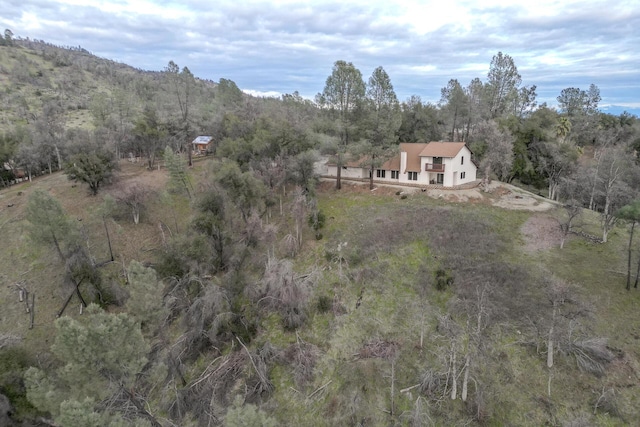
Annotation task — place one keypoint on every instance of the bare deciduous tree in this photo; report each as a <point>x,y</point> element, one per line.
<point>572,213</point>
<point>283,290</point>
<point>133,195</point>
<point>611,188</point>
<point>498,156</point>
<point>630,213</point>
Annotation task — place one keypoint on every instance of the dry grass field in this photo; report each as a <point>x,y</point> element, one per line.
<point>38,269</point>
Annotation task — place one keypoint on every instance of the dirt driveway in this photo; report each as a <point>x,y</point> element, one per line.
<point>500,194</point>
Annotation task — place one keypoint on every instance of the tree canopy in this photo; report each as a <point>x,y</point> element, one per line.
<point>91,167</point>
<point>100,357</point>
<point>48,223</point>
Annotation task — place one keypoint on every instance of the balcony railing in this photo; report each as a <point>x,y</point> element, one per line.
<point>434,167</point>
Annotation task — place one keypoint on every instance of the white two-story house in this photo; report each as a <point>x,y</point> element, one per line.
<point>447,164</point>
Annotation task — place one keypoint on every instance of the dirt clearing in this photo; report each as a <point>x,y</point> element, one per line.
<point>541,232</point>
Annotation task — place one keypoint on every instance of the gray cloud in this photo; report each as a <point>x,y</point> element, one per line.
<point>284,47</point>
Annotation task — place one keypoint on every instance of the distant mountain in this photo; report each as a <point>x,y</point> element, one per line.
<point>616,110</point>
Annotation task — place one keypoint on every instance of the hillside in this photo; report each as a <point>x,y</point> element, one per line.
<point>236,287</point>
<point>384,334</point>
<point>34,73</point>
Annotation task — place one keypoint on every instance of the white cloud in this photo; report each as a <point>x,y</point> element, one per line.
<point>282,46</point>
<point>267,94</point>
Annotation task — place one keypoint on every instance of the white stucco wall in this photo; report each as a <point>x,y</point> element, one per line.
<point>457,167</point>
<point>453,167</point>
<point>348,172</point>
<point>387,176</point>
<point>351,172</point>
<point>404,178</point>
<point>426,177</point>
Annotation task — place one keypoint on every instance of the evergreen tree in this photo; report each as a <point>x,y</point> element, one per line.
<point>48,222</point>
<point>248,415</point>
<point>149,133</point>
<point>179,181</point>
<point>145,294</point>
<point>93,168</point>
<point>383,121</point>
<point>101,356</point>
<point>502,85</point>
<point>343,93</point>
<point>454,107</point>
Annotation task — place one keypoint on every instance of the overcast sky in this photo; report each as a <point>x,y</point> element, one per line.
<point>285,46</point>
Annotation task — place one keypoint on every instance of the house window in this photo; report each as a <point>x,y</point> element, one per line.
<point>440,178</point>
<point>413,176</point>
<point>395,174</point>
<point>380,173</point>
<point>462,175</point>
<point>462,160</point>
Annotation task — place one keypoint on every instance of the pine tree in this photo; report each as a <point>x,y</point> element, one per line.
<point>48,222</point>
<point>179,181</point>
<point>101,356</point>
<point>145,294</point>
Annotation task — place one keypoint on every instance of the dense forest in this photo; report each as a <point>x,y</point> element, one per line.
<point>164,287</point>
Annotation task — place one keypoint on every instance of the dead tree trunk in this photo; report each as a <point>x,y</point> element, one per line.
<point>635,285</point>
<point>371,177</point>
<point>76,290</point>
<point>633,225</point>
<point>106,229</point>
<point>422,329</point>
<point>32,311</point>
<point>57,245</point>
<point>550,349</point>
<point>393,384</point>
<point>454,374</point>
<point>550,338</point>
<point>465,378</point>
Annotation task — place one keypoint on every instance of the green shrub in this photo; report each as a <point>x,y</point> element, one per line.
<point>247,415</point>
<point>324,304</point>
<point>13,362</point>
<point>355,257</point>
<point>444,279</point>
<point>317,220</point>
<point>329,255</point>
